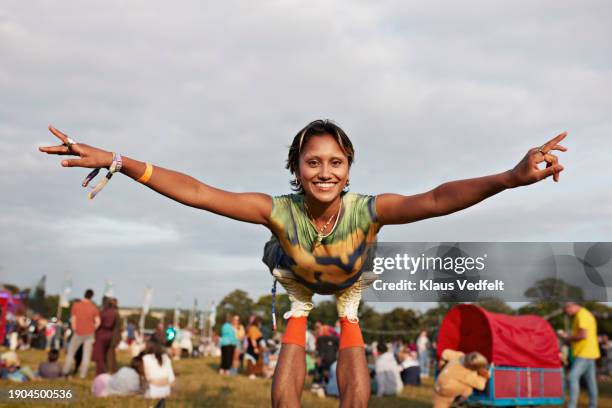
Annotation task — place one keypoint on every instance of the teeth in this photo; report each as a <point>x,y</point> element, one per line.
<point>325,185</point>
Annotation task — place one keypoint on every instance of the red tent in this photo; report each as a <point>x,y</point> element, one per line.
<point>519,341</point>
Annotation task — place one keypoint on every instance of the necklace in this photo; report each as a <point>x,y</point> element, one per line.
<point>320,232</point>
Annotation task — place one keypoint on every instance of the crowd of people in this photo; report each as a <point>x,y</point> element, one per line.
<point>95,334</point>
<point>92,334</point>
<point>392,365</point>
<point>397,364</point>
<point>246,349</point>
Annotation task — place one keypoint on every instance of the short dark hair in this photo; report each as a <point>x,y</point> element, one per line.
<point>53,355</point>
<point>316,128</point>
<point>381,347</point>
<point>89,294</point>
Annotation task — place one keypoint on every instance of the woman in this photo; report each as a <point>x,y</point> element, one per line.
<point>239,350</point>
<point>422,345</point>
<point>104,334</point>
<point>411,371</point>
<point>228,342</point>
<point>254,355</point>
<point>317,230</point>
<point>158,371</point>
<point>111,355</point>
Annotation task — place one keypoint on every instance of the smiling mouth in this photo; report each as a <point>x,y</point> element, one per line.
<point>325,185</point>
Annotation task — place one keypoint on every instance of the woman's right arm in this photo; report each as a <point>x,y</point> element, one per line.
<point>249,207</point>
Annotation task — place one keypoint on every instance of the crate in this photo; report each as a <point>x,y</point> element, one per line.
<point>518,386</point>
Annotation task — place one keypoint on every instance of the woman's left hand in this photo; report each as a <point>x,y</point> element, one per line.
<point>527,171</point>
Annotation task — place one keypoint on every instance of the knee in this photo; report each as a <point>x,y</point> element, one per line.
<point>573,376</point>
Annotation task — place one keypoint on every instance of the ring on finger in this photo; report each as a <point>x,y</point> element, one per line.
<point>69,142</point>
<point>541,149</point>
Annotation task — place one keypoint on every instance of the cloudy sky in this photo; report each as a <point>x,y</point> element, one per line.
<point>427,91</point>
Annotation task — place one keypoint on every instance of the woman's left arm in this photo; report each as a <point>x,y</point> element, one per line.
<point>457,195</point>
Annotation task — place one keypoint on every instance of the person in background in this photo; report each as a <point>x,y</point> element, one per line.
<point>111,352</point>
<point>239,351</point>
<point>228,343</point>
<point>254,355</point>
<point>104,335</point>
<point>50,333</point>
<point>422,344</point>
<point>388,378</point>
<point>331,388</point>
<point>38,328</point>
<point>13,338</point>
<point>311,342</point>
<point>51,368</point>
<point>175,344</point>
<point>131,332</point>
<point>12,370</point>
<point>23,330</point>
<point>57,342</point>
<point>84,319</point>
<point>327,346</point>
<point>126,381</point>
<point>186,342</point>
<point>271,357</point>
<point>158,372</point>
<point>585,351</point>
<point>411,372</point>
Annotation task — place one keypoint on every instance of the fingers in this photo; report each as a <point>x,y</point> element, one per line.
<point>61,149</point>
<point>73,163</point>
<point>549,171</point>
<point>550,160</point>
<point>59,135</point>
<point>558,147</point>
<point>553,142</point>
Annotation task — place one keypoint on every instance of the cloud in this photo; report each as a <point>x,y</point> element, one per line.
<point>427,91</point>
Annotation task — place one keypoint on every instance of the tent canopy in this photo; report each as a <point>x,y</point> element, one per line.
<point>519,341</point>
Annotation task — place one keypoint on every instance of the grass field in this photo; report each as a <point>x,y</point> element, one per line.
<point>198,385</point>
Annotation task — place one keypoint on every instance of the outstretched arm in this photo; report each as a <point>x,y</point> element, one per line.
<point>249,207</point>
<point>457,195</point>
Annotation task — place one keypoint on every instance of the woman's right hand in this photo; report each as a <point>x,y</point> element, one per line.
<point>90,157</point>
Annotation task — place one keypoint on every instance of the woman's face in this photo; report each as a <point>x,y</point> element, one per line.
<point>323,168</point>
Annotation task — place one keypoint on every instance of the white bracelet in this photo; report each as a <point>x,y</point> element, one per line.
<point>116,164</point>
<point>114,167</point>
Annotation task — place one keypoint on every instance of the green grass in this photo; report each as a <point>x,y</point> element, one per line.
<point>199,385</point>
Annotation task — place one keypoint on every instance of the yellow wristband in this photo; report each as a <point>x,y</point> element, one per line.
<point>147,174</point>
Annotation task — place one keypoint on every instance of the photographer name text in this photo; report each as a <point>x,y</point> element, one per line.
<point>427,285</point>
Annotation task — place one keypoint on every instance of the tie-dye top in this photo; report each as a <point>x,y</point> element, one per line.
<point>333,263</point>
